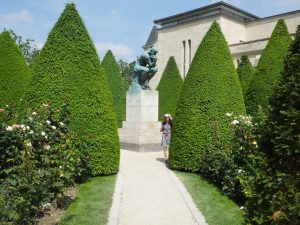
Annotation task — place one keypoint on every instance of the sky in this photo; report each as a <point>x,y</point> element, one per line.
<point>120,25</point>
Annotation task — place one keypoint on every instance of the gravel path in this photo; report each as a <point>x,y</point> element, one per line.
<point>148,193</point>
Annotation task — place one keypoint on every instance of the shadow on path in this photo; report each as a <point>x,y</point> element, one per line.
<point>162,160</point>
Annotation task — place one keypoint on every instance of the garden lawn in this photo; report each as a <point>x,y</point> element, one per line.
<point>92,203</point>
<point>217,208</point>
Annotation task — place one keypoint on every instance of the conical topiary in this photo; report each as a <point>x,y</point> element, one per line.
<point>268,69</point>
<point>14,73</point>
<point>210,90</point>
<point>245,72</point>
<point>68,67</point>
<point>116,85</point>
<point>169,88</point>
<point>274,199</point>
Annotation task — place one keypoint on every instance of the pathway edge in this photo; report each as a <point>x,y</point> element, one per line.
<point>198,216</point>
<point>115,208</point>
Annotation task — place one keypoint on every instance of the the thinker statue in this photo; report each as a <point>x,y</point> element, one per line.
<point>145,68</point>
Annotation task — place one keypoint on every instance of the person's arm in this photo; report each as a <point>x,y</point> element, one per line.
<point>162,128</point>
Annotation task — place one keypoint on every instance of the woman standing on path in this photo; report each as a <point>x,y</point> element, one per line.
<point>166,135</point>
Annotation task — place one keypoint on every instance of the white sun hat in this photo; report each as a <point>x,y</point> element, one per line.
<point>168,115</point>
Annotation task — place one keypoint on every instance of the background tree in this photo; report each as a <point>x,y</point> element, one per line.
<point>169,88</point>
<point>116,85</point>
<point>268,69</point>
<point>126,70</point>
<point>245,72</point>
<point>68,67</point>
<point>14,73</point>
<point>29,50</point>
<point>210,90</point>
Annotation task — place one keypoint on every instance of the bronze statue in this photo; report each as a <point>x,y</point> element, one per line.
<point>145,68</point>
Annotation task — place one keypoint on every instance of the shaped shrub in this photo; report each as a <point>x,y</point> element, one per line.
<point>268,69</point>
<point>116,85</point>
<point>210,90</point>
<point>68,68</point>
<point>245,72</point>
<point>275,198</point>
<point>14,73</point>
<point>169,88</point>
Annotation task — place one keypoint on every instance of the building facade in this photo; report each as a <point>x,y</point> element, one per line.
<point>181,34</point>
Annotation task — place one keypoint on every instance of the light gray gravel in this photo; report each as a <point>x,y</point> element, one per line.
<point>148,193</point>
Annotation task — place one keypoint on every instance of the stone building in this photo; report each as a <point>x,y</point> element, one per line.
<point>180,35</point>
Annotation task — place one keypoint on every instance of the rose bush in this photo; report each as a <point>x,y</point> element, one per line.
<point>38,160</point>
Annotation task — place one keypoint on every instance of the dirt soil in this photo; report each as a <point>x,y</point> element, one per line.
<point>52,214</point>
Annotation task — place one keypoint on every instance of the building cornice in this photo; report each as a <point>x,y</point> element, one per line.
<point>207,11</point>
<point>255,41</point>
<point>275,16</point>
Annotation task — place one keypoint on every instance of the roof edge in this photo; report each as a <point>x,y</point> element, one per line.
<point>221,3</point>
<point>276,15</point>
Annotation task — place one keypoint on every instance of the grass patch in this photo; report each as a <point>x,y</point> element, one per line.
<point>217,208</point>
<point>92,203</point>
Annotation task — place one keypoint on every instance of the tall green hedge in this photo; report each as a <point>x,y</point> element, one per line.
<point>245,72</point>
<point>281,144</point>
<point>268,69</point>
<point>14,73</point>
<point>210,90</point>
<point>116,85</point>
<point>169,88</point>
<point>275,198</point>
<point>68,68</point>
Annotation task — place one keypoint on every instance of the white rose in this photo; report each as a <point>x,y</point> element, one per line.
<point>61,123</point>
<point>48,121</point>
<point>228,114</point>
<point>43,133</point>
<point>29,144</point>
<point>235,122</point>
<point>34,113</point>
<point>53,127</point>
<point>9,128</point>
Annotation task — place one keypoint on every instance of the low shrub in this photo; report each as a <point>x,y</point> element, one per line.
<point>223,168</point>
<point>37,160</point>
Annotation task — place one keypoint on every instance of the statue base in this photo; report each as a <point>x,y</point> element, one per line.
<point>141,130</point>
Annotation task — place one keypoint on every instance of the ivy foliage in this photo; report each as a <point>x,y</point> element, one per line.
<point>245,72</point>
<point>116,85</point>
<point>169,88</point>
<point>68,68</point>
<point>210,90</point>
<point>276,200</point>
<point>14,73</point>
<point>268,69</point>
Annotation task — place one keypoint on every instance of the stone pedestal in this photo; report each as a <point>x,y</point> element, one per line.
<point>141,130</point>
